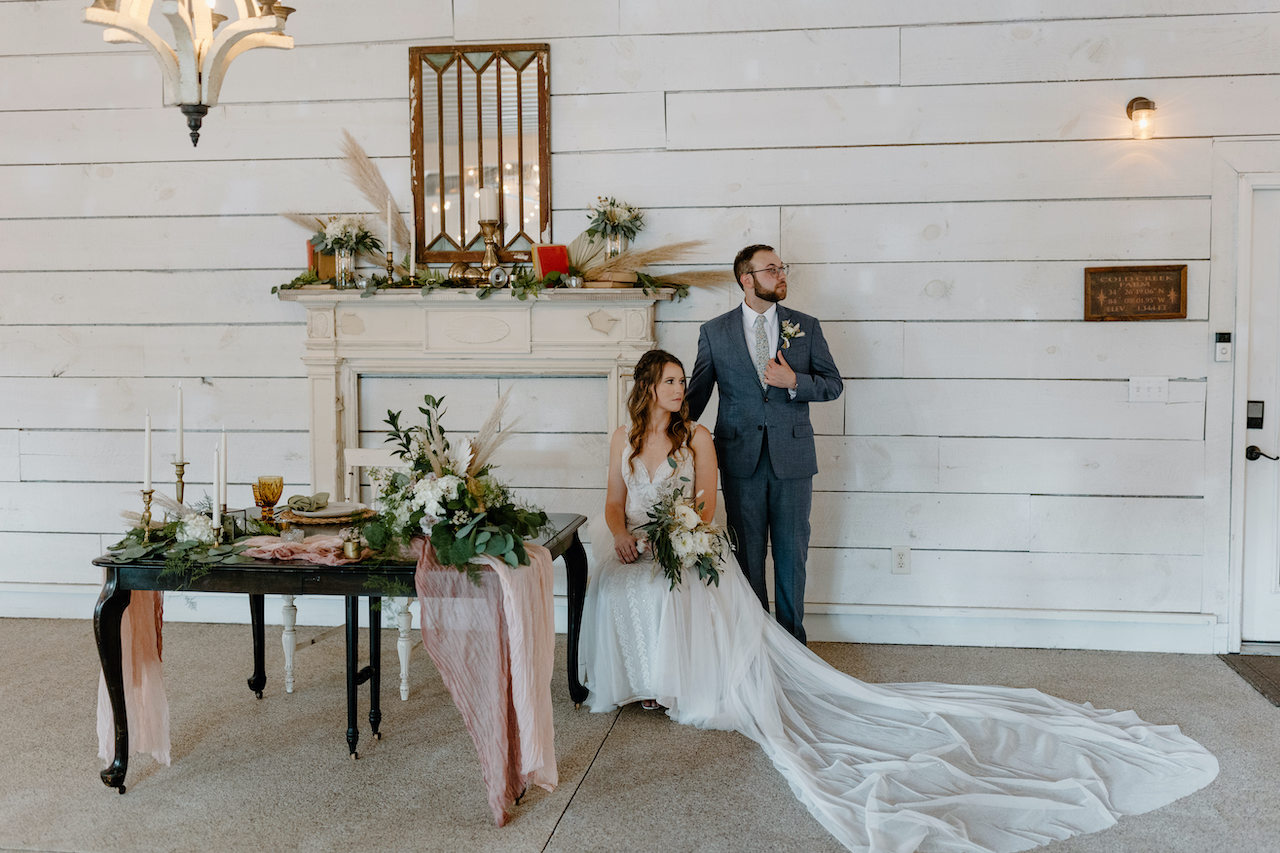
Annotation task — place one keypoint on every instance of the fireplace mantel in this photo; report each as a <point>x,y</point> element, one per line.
<point>564,332</point>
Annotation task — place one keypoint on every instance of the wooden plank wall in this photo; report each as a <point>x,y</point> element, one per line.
<point>938,173</point>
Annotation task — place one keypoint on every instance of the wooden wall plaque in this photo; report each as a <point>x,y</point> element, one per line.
<point>1135,293</point>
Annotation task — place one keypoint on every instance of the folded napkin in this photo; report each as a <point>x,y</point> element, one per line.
<point>304,503</point>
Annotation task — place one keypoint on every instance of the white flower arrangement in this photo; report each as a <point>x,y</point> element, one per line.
<point>346,233</point>
<point>449,494</point>
<point>196,527</point>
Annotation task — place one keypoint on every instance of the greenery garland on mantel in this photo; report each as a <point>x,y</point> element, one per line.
<point>523,284</point>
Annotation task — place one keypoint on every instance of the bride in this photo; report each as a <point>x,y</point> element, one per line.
<point>883,767</point>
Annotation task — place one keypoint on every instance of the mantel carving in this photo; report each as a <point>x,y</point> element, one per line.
<point>561,333</point>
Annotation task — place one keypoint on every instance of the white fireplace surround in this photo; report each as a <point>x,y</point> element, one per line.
<point>564,332</point>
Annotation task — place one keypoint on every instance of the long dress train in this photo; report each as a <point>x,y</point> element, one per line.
<point>883,767</point>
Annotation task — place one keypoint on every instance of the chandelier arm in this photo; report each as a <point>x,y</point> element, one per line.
<point>139,9</point>
<point>234,40</point>
<point>185,47</point>
<point>202,26</point>
<point>118,23</point>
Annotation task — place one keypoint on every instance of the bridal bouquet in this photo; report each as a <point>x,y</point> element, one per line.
<point>449,494</point>
<point>680,540</point>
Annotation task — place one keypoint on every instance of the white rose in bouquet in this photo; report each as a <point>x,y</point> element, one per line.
<point>688,516</point>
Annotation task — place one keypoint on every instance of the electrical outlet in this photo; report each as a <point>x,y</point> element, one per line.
<point>900,564</point>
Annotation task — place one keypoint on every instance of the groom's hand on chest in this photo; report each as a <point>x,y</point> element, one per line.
<point>778,374</point>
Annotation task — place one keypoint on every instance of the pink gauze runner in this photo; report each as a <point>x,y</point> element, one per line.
<point>494,645</point>
<point>146,708</point>
<point>321,550</point>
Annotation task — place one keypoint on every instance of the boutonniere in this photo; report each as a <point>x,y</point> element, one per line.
<point>790,330</point>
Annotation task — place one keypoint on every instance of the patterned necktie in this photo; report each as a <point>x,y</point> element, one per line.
<point>762,348</point>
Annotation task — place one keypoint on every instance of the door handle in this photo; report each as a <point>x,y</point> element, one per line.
<point>1253,452</point>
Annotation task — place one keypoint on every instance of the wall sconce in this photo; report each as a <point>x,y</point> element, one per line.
<point>197,61</point>
<point>1142,112</point>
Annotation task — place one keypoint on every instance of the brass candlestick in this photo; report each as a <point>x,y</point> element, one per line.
<point>146,514</point>
<point>391,268</point>
<point>489,228</point>
<point>178,469</point>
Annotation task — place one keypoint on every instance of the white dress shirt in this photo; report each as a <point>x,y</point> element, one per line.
<point>771,329</point>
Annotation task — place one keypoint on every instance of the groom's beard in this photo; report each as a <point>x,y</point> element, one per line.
<point>769,295</point>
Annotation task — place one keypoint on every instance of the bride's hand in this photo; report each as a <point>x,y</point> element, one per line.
<point>624,544</point>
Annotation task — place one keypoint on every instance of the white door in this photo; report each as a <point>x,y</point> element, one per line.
<point>1261,578</point>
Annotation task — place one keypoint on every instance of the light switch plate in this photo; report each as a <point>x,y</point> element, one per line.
<point>1148,389</point>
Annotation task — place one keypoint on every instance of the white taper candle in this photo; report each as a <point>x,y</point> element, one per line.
<point>217,487</point>
<point>146,464</point>
<point>179,457</point>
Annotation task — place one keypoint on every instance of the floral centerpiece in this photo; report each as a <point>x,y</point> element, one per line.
<point>449,494</point>
<point>186,540</point>
<point>616,221</point>
<point>346,233</point>
<point>346,237</point>
<point>680,540</point>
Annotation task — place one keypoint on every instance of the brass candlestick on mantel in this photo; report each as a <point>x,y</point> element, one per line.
<point>391,268</point>
<point>178,469</point>
<point>146,514</point>
<point>489,228</point>
<point>482,276</point>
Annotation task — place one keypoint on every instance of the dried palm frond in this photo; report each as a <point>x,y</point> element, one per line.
<point>633,259</point>
<point>364,173</point>
<point>585,250</point>
<point>490,437</point>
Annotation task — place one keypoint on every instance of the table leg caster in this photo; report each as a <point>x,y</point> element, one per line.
<point>377,735</point>
<point>354,756</point>
<point>258,693</point>
<point>577,705</point>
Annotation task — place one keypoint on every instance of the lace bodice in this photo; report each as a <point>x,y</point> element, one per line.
<point>643,493</point>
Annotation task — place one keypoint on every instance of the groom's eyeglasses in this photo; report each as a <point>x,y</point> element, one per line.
<point>772,270</point>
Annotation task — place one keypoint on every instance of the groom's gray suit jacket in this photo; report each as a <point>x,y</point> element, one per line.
<point>746,410</point>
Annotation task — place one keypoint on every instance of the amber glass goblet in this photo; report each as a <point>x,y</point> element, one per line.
<point>266,494</point>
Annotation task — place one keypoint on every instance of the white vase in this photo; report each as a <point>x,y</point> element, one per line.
<point>345,268</point>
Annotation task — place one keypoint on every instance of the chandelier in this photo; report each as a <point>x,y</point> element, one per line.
<point>195,65</point>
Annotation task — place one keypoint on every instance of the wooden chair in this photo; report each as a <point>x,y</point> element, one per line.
<point>355,461</point>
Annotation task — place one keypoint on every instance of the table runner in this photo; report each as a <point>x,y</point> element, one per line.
<point>493,643</point>
<point>146,706</point>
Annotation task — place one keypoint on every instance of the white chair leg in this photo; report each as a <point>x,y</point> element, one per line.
<point>404,619</point>
<point>289,639</point>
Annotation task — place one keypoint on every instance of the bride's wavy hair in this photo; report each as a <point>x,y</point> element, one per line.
<point>647,375</point>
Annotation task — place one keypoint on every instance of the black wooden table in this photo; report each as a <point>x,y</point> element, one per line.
<point>293,577</point>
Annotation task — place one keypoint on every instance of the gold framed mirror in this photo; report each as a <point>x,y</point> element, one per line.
<point>479,117</point>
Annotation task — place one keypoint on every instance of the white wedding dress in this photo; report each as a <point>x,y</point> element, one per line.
<point>883,767</point>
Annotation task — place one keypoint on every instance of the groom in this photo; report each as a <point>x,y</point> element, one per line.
<point>769,363</point>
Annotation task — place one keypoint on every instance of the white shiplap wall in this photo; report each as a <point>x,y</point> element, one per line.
<point>939,173</point>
